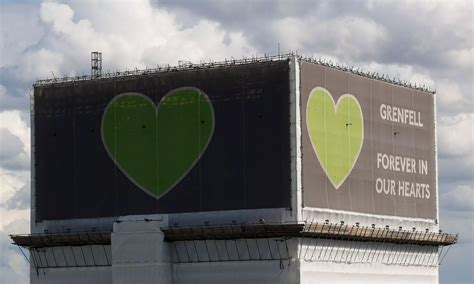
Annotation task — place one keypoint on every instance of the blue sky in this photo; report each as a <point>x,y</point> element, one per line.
<point>429,42</point>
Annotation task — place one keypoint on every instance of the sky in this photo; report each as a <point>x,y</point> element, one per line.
<point>427,42</point>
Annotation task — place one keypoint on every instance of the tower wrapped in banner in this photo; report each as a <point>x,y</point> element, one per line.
<point>278,169</point>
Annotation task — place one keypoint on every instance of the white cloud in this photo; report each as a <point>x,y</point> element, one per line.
<point>456,135</point>
<point>10,183</point>
<point>14,183</point>
<point>130,34</point>
<point>16,100</point>
<point>19,30</point>
<point>13,266</point>
<point>456,154</point>
<point>14,122</point>
<point>449,95</point>
<point>42,63</point>
<point>403,72</point>
<point>60,16</point>
<point>14,218</point>
<point>347,37</point>
<point>460,198</point>
<point>14,145</point>
<point>461,58</point>
<point>10,145</point>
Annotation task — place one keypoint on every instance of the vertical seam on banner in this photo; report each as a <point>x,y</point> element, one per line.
<point>298,142</point>
<point>199,148</point>
<point>435,134</point>
<point>393,152</point>
<point>295,157</point>
<point>33,198</point>
<point>349,138</point>
<point>115,147</point>
<point>372,147</point>
<point>74,149</point>
<point>414,149</point>
<point>156,106</point>
<point>243,137</point>
<point>325,143</point>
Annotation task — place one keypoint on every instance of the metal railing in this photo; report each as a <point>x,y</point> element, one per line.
<point>251,242</point>
<point>188,66</point>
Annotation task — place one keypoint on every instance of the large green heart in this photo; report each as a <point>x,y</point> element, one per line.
<point>336,132</point>
<point>156,146</point>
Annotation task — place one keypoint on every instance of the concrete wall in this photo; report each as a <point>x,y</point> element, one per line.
<point>138,254</point>
<point>321,272</point>
<point>77,275</point>
<point>237,272</point>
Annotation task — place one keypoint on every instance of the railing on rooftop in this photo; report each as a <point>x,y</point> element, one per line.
<point>188,66</point>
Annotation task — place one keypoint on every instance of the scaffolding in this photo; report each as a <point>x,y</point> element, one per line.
<point>322,231</point>
<point>63,250</point>
<point>62,239</point>
<point>251,242</point>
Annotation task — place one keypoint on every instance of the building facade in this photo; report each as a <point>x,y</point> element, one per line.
<point>267,170</point>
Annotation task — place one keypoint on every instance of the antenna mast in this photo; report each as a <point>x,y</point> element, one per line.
<point>96,63</point>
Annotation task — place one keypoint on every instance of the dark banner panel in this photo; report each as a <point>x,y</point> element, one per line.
<point>368,146</point>
<point>185,141</point>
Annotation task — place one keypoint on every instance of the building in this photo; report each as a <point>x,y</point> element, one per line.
<point>266,170</point>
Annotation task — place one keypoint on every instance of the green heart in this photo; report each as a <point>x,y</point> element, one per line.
<point>336,132</point>
<point>155,147</point>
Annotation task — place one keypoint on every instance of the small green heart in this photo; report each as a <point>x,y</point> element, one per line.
<point>336,132</point>
<point>156,146</point>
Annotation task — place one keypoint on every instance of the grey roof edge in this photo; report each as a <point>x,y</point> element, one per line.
<point>189,66</point>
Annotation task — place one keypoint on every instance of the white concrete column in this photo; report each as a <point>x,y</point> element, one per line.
<point>139,253</point>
